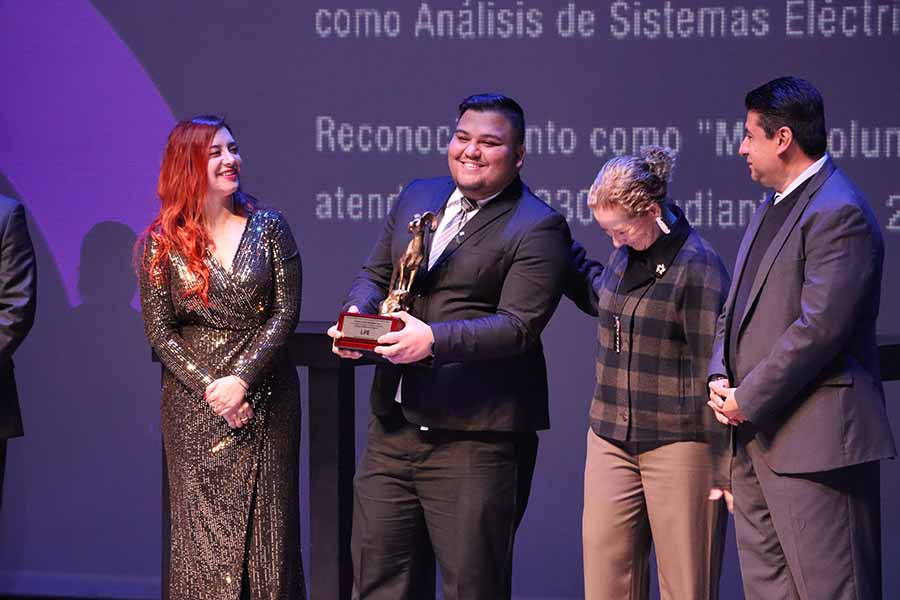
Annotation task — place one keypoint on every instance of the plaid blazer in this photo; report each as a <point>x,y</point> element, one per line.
<point>655,387</point>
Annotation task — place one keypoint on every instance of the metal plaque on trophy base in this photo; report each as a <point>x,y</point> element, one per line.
<point>361,332</point>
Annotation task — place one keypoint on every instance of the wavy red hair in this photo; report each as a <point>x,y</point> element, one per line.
<point>180,226</point>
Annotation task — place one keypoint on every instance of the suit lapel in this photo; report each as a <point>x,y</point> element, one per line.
<point>436,204</point>
<point>487,214</point>
<point>768,259</point>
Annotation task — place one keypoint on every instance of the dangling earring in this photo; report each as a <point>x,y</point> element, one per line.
<point>662,225</point>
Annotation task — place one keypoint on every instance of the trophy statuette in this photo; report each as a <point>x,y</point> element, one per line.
<point>361,331</point>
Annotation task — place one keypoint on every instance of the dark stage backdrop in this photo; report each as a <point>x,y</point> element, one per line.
<point>335,109</point>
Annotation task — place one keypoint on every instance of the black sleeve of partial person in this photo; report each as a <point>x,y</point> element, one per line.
<point>18,283</point>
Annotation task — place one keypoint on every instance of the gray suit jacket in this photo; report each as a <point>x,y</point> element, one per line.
<point>806,358</point>
<point>18,292</point>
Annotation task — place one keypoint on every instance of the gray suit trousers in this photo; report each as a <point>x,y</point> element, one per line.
<point>810,536</point>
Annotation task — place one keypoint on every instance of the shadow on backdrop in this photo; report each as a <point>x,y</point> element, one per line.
<point>87,473</point>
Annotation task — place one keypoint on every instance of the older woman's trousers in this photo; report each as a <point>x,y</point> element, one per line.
<point>638,493</point>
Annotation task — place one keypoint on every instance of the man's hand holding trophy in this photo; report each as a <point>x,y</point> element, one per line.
<point>393,334</point>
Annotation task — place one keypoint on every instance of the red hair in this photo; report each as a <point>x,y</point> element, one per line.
<point>180,226</point>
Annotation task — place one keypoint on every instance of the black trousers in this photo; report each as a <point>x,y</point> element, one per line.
<point>455,496</point>
<point>808,536</point>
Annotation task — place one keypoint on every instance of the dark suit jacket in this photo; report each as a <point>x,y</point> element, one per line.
<point>806,358</point>
<point>487,299</point>
<point>18,294</point>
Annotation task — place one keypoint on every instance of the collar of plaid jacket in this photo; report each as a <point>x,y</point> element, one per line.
<point>644,265</point>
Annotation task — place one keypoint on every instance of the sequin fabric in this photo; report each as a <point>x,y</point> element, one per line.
<point>234,494</point>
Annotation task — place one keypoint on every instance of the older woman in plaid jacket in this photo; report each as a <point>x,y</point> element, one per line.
<point>654,451</point>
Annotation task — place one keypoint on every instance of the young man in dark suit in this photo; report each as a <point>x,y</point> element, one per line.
<point>451,446</point>
<point>795,367</point>
<point>18,291</point>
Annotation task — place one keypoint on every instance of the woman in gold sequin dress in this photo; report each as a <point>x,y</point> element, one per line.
<point>220,294</point>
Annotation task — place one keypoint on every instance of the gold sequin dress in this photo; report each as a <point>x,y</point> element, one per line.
<point>234,494</point>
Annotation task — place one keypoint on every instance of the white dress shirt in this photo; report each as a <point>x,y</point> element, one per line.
<point>809,172</point>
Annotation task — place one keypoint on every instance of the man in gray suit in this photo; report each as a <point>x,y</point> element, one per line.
<point>795,366</point>
<point>18,283</point>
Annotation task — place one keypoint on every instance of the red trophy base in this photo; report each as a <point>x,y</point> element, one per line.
<point>361,332</point>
